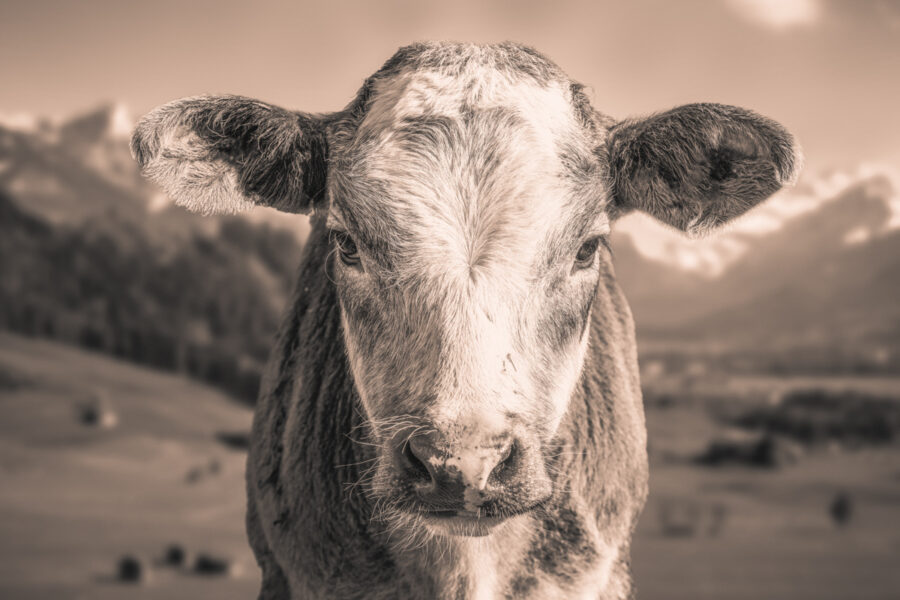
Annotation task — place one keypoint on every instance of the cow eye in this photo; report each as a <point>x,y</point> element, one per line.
<point>346,248</point>
<point>585,256</point>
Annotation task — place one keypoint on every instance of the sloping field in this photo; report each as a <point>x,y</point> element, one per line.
<point>74,498</point>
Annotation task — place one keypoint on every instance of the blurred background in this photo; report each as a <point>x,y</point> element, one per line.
<point>134,334</point>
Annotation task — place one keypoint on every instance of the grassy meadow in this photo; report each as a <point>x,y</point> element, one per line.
<point>78,491</point>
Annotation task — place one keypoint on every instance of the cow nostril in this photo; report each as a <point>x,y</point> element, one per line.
<point>506,465</point>
<point>414,463</point>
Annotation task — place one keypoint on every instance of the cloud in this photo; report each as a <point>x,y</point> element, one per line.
<point>778,14</point>
<point>18,121</point>
<point>711,256</point>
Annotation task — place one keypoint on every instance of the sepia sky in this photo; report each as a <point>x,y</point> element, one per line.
<point>829,70</point>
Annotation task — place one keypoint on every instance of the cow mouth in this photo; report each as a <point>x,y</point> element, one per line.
<point>467,523</point>
<point>461,523</point>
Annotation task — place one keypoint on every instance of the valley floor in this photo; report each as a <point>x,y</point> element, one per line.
<point>735,533</point>
<point>75,498</point>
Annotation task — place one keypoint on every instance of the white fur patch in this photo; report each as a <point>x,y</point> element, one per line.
<point>482,570</point>
<point>179,161</point>
<point>474,207</point>
<point>194,179</point>
<point>416,93</point>
<point>490,561</point>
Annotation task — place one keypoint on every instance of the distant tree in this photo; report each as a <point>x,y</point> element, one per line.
<point>206,304</point>
<point>841,509</point>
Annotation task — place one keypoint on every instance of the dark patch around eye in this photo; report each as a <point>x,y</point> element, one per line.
<point>586,309</point>
<point>568,320</point>
<point>563,328</point>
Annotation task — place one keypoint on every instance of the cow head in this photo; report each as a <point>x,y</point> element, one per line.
<point>469,192</point>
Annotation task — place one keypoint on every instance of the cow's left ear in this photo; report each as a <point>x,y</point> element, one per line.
<point>225,154</point>
<point>699,165</point>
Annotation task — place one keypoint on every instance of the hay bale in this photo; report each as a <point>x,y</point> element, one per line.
<point>194,475</point>
<point>208,564</point>
<point>131,570</point>
<point>175,556</point>
<point>718,516</point>
<point>841,509</point>
<point>687,518</point>
<point>98,412</point>
<point>680,519</point>
<point>235,440</point>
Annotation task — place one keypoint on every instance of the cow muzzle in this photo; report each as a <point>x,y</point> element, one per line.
<point>473,483</point>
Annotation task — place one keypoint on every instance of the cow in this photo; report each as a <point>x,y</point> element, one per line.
<point>452,408</point>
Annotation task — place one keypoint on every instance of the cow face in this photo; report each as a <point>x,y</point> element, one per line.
<point>469,220</point>
<point>468,192</point>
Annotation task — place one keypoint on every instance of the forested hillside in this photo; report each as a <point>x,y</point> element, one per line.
<point>207,305</point>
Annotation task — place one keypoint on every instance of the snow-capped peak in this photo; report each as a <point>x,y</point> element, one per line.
<point>120,123</point>
<point>20,121</point>
<point>712,256</point>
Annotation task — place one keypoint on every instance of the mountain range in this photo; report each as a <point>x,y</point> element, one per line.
<point>90,256</point>
<point>822,280</point>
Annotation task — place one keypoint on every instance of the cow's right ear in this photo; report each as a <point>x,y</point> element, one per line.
<point>225,154</point>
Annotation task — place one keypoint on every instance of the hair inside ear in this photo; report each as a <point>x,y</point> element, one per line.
<point>698,166</point>
<point>224,154</point>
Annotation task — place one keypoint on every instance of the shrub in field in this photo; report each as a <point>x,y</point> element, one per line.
<point>816,416</point>
<point>764,450</point>
<point>686,518</point>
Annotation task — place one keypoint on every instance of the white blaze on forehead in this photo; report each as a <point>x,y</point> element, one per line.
<point>499,181</point>
<point>473,238</point>
<point>416,93</point>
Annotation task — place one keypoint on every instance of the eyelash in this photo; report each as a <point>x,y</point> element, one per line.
<point>346,248</point>
<point>592,245</point>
